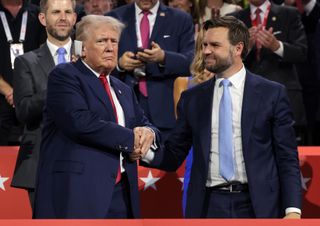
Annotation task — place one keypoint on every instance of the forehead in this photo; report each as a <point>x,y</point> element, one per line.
<point>216,34</point>
<point>59,4</point>
<point>104,30</point>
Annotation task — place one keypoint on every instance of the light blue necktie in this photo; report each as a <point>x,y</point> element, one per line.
<point>61,52</point>
<point>225,133</point>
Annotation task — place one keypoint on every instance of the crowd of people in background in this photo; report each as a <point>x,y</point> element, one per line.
<point>159,57</point>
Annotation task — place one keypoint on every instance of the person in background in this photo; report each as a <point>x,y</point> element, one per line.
<point>277,43</point>
<point>97,7</point>
<point>93,128</point>
<point>245,162</point>
<point>20,32</point>
<point>156,46</point>
<point>215,8</point>
<point>30,85</point>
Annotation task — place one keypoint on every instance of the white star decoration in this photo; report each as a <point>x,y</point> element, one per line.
<point>2,180</point>
<point>181,179</point>
<point>150,181</point>
<point>304,181</point>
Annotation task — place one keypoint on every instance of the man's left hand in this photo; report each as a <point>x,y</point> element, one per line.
<point>153,55</point>
<point>267,39</point>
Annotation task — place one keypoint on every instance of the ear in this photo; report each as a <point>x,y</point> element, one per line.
<point>42,19</point>
<point>84,50</point>
<point>239,48</point>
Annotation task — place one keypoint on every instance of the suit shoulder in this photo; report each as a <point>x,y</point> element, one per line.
<point>263,82</point>
<point>119,11</point>
<point>199,88</point>
<point>30,56</point>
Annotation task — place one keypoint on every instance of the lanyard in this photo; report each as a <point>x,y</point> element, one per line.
<point>7,29</point>
<point>264,22</point>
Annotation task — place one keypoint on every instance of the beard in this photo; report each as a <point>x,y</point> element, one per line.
<point>62,36</point>
<point>221,64</point>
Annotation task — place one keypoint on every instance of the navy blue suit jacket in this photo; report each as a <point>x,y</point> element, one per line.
<point>174,32</point>
<point>268,145</point>
<point>81,142</point>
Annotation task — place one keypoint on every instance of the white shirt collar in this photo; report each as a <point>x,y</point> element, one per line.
<point>53,48</point>
<point>153,10</point>
<point>94,72</point>
<point>237,79</point>
<point>263,7</point>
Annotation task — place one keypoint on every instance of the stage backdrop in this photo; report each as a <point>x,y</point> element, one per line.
<point>160,192</point>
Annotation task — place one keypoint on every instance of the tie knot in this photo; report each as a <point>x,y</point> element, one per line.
<point>145,12</point>
<point>225,83</point>
<point>258,11</point>
<point>61,51</point>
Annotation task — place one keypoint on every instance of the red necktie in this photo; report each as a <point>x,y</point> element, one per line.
<point>106,86</point>
<point>144,32</point>
<point>258,22</point>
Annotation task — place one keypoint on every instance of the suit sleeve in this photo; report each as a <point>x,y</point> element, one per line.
<point>68,106</point>
<point>286,152</point>
<point>28,101</point>
<point>295,46</point>
<point>173,152</point>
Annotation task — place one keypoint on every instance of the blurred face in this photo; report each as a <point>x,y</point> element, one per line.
<point>59,19</point>
<point>100,50</point>
<point>97,7</point>
<point>146,4</point>
<point>184,5</point>
<point>217,50</point>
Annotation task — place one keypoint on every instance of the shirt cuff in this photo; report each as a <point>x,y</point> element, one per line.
<point>309,7</point>
<point>293,210</point>
<point>148,158</point>
<point>154,145</point>
<point>119,69</point>
<point>279,51</point>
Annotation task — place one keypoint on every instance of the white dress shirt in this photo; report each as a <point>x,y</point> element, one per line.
<point>152,19</point>
<point>236,92</point>
<point>53,50</point>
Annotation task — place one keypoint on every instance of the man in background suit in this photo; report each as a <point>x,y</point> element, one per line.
<point>30,86</point>
<point>168,43</point>
<point>92,126</point>
<point>277,44</point>
<point>245,159</point>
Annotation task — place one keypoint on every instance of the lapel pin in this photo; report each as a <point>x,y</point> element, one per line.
<point>274,18</point>
<point>119,91</point>
<point>162,14</point>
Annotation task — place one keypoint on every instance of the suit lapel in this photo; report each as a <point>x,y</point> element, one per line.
<point>45,59</point>
<point>205,105</point>
<point>130,35</point>
<point>250,103</point>
<point>160,22</point>
<point>96,85</point>
<point>121,97</point>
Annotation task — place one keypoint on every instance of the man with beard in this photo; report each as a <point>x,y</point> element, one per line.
<point>30,85</point>
<point>245,161</point>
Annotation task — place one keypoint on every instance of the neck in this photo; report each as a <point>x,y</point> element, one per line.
<point>13,6</point>
<point>215,4</point>
<point>56,41</point>
<point>231,70</point>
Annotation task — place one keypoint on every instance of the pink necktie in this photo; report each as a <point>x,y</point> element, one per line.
<point>145,32</point>
<point>258,22</point>
<point>106,86</point>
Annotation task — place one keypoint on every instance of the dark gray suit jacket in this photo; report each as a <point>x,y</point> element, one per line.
<point>30,88</point>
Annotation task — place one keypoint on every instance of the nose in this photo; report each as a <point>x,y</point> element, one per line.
<point>63,16</point>
<point>109,46</point>
<point>206,50</point>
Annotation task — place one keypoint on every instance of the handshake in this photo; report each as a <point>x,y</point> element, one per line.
<point>143,140</point>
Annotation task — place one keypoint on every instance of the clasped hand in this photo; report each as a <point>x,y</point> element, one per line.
<point>143,139</point>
